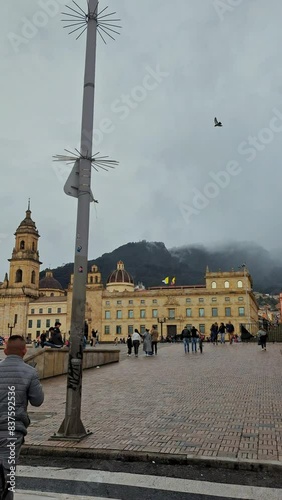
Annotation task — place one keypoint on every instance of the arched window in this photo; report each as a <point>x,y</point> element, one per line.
<point>240,284</point>
<point>33,246</point>
<point>19,276</point>
<point>51,294</point>
<point>213,285</point>
<point>96,279</point>
<point>91,279</point>
<point>33,277</point>
<point>226,284</point>
<point>22,245</point>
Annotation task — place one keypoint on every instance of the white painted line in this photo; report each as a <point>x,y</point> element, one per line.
<point>34,495</point>
<point>154,482</point>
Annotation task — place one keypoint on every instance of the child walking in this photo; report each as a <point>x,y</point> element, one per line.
<point>129,345</point>
<point>201,341</point>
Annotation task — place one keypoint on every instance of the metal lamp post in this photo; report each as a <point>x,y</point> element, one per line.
<point>161,321</point>
<point>79,186</point>
<point>11,327</point>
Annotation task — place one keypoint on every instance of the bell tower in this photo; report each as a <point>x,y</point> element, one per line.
<point>25,264</point>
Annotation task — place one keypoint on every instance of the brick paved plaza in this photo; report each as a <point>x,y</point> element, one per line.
<point>225,403</point>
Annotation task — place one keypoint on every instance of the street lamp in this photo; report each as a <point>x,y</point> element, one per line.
<point>11,327</point>
<point>161,321</point>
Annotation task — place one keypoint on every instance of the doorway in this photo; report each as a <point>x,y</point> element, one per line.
<point>171,331</point>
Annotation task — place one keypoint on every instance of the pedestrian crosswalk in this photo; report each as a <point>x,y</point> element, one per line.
<point>50,483</point>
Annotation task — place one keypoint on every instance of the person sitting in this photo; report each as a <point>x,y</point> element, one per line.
<point>43,339</point>
<point>55,339</point>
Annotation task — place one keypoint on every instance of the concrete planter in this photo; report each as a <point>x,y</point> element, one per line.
<point>53,362</point>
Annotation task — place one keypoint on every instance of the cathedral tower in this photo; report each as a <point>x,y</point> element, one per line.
<point>25,264</point>
<point>21,286</point>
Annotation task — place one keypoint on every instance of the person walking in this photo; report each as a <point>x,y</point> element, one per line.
<point>221,330</point>
<point>214,333</point>
<point>194,337</point>
<point>136,339</point>
<point>155,339</point>
<point>19,385</point>
<point>262,335</point>
<point>186,336</point>
<point>147,343</point>
<point>129,345</point>
<point>94,336</point>
<point>230,330</point>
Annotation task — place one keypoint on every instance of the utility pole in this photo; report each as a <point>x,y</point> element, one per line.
<point>79,186</point>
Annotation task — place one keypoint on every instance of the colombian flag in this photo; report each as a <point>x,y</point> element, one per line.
<point>166,280</point>
<point>173,281</point>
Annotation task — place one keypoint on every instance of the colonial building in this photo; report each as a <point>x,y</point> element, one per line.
<point>29,306</point>
<point>120,307</point>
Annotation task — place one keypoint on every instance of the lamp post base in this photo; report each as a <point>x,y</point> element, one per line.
<point>70,431</point>
<point>61,437</point>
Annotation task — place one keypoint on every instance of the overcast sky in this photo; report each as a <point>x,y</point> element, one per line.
<point>182,64</point>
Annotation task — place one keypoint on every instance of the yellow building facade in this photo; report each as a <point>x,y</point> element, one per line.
<point>31,306</point>
<point>174,307</point>
<point>43,313</point>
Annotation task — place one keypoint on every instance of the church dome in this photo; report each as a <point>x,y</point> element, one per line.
<point>49,282</point>
<point>120,275</point>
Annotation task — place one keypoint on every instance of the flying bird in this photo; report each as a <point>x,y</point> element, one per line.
<point>217,123</point>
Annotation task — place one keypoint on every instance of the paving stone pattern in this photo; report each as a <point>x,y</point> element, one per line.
<point>226,402</point>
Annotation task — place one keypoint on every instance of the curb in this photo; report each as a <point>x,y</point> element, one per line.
<point>160,458</point>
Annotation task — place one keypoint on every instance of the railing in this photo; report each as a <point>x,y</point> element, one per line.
<point>274,332</point>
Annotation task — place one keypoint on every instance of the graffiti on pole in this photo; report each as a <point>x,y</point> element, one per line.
<point>75,371</point>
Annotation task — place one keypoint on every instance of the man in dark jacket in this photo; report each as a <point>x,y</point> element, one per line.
<point>19,385</point>
<point>194,335</point>
<point>230,330</point>
<point>186,336</point>
<point>214,333</point>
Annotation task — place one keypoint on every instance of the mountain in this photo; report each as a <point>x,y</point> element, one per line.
<point>151,262</point>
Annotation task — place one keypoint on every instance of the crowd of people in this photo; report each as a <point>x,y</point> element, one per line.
<point>53,338</point>
<point>221,331</point>
<point>218,334</point>
<point>190,336</point>
<point>149,338</point>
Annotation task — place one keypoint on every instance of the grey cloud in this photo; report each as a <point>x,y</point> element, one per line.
<point>167,146</point>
